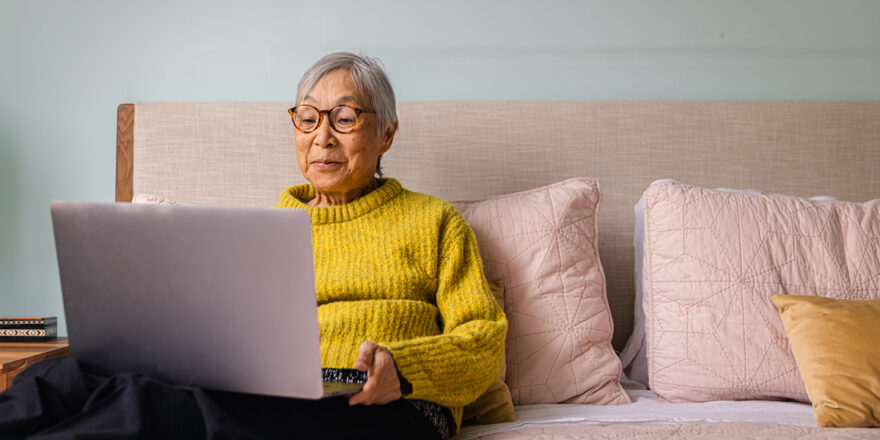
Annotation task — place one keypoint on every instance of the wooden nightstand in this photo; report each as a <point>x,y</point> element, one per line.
<point>16,356</point>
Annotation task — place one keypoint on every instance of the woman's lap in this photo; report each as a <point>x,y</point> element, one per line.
<point>57,399</point>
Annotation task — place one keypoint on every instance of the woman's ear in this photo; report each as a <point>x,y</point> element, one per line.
<point>387,137</point>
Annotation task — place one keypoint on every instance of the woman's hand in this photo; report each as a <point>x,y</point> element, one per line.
<point>382,385</point>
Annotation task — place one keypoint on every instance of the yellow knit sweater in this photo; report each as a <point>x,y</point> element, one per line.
<point>402,269</point>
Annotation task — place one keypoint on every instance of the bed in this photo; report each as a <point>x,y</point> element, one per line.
<point>551,190</point>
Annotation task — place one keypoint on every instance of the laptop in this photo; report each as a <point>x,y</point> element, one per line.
<point>214,297</point>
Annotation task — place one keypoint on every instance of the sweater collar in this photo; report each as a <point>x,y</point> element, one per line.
<point>297,196</point>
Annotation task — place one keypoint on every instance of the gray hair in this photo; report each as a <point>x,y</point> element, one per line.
<point>369,80</point>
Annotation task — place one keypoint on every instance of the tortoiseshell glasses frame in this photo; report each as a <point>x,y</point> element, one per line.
<point>343,118</point>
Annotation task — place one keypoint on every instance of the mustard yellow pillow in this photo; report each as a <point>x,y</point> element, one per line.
<point>495,404</point>
<point>836,344</point>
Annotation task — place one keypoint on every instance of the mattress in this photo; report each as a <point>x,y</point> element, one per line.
<point>646,408</point>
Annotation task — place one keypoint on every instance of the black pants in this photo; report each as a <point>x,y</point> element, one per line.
<point>56,399</point>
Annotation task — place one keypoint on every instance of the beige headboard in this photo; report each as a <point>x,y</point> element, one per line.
<point>243,153</point>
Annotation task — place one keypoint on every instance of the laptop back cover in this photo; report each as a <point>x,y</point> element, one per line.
<point>219,298</point>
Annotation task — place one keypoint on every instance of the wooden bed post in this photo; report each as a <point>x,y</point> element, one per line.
<point>124,151</point>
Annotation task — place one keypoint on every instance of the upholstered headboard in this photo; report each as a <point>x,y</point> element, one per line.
<point>243,153</point>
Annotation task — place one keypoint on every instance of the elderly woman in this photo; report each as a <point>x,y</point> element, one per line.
<point>400,284</point>
<point>400,289</point>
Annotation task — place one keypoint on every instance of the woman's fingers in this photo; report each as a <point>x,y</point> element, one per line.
<point>382,385</point>
<point>365,356</point>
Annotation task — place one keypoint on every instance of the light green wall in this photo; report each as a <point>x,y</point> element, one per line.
<point>65,66</point>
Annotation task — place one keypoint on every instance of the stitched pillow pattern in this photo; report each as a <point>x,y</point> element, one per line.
<point>634,356</point>
<point>542,244</point>
<point>713,260</point>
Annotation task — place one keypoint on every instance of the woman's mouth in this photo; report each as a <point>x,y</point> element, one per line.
<point>325,165</point>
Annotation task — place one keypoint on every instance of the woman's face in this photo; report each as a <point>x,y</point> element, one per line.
<point>340,163</point>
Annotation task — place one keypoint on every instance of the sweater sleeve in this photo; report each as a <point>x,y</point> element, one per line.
<point>453,368</point>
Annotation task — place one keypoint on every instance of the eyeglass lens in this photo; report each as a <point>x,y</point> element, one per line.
<point>342,118</point>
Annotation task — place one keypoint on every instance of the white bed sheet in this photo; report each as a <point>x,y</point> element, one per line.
<point>646,408</point>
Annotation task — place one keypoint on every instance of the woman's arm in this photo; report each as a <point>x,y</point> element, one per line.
<point>453,368</point>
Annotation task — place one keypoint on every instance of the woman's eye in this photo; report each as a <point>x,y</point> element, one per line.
<point>344,121</point>
<point>308,121</point>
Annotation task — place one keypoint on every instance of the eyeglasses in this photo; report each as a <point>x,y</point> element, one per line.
<point>343,118</point>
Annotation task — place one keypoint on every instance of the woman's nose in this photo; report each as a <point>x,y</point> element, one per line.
<point>324,135</point>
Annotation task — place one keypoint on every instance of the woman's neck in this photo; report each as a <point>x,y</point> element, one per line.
<point>323,199</point>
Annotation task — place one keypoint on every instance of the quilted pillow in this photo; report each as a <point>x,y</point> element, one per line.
<point>634,356</point>
<point>713,259</point>
<point>543,245</point>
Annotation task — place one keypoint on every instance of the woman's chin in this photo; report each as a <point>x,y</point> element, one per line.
<point>326,180</point>
<point>326,185</point>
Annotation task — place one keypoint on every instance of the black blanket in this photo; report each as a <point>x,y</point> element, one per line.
<point>57,399</point>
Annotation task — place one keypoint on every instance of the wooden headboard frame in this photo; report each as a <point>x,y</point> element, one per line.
<point>124,152</point>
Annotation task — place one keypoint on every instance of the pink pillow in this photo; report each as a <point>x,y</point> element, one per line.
<point>542,245</point>
<point>714,259</point>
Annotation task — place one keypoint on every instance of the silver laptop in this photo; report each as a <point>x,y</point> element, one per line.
<point>213,297</point>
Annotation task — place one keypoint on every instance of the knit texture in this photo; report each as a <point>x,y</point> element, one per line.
<point>402,269</point>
